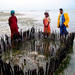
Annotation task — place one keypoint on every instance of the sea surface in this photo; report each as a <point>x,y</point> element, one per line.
<point>28,19</point>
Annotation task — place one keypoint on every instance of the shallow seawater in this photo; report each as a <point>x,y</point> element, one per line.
<point>67,67</point>
<point>70,70</point>
<point>23,22</point>
<point>27,19</point>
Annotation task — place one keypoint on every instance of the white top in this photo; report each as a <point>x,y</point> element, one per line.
<point>48,19</point>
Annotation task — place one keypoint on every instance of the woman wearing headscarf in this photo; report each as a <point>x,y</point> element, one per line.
<point>13,24</point>
<point>46,22</point>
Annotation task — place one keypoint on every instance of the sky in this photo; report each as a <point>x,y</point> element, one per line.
<point>36,4</point>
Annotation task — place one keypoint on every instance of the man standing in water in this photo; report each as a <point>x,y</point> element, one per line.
<point>62,23</point>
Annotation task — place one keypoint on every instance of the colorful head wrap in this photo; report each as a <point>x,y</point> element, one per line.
<point>12,11</point>
<point>46,13</point>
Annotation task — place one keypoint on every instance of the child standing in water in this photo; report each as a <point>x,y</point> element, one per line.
<point>13,24</point>
<point>46,22</point>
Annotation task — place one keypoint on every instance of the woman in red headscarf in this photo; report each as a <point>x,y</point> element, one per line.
<point>46,22</point>
<point>13,24</point>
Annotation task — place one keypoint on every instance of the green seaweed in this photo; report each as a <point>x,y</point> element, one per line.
<point>64,63</point>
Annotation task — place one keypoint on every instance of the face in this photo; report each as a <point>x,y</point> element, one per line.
<point>13,14</point>
<point>46,15</point>
<point>61,11</point>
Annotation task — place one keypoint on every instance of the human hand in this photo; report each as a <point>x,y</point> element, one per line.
<point>63,24</point>
<point>58,26</point>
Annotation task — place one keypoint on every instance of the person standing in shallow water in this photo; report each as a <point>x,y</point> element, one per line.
<point>46,22</point>
<point>62,23</point>
<point>13,24</point>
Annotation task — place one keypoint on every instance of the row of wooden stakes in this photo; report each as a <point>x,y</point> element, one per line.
<point>51,66</point>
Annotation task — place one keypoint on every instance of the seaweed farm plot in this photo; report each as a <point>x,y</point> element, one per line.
<point>33,53</point>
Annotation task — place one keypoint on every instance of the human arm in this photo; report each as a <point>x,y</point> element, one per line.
<point>49,21</point>
<point>58,21</point>
<point>16,22</point>
<point>66,19</point>
<point>46,21</point>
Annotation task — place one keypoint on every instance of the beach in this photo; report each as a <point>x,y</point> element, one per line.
<point>28,19</point>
